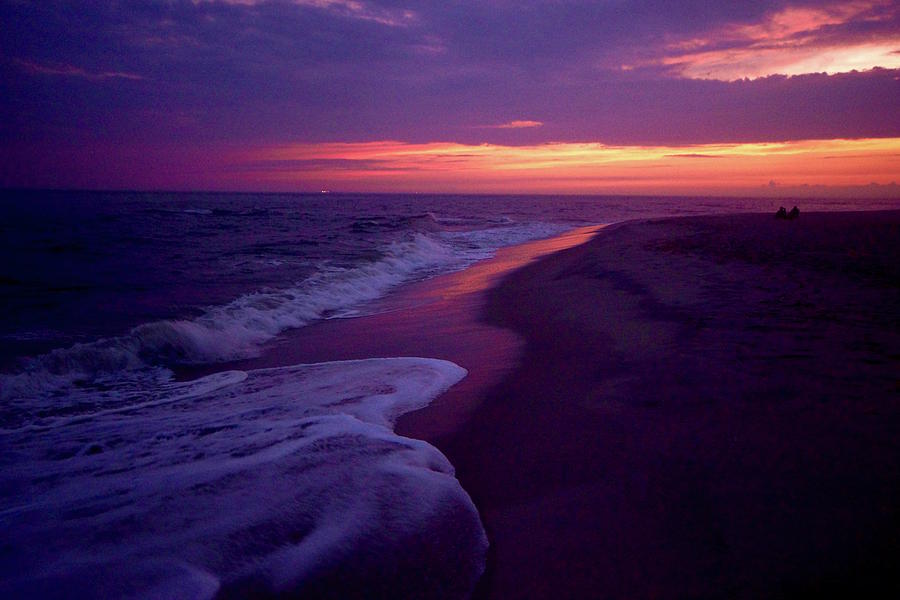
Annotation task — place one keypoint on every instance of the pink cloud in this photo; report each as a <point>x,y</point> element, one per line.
<point>790,41</point>
<point>518,125</point>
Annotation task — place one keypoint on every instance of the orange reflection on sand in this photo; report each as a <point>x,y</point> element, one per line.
<point>485,274</point>
<point>575,167</point>
<point>442,295</point>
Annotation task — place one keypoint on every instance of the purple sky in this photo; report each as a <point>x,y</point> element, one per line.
<point>152,77</point>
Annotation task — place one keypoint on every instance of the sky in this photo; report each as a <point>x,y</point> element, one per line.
<point>762,97</point>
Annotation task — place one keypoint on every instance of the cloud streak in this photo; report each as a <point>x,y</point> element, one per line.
<point>73,71</point>
<point>523,124</point>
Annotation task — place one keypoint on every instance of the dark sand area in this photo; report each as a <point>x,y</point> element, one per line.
<point>705,407</point>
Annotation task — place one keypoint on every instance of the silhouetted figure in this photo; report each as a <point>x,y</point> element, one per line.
<point>795,212</point>
<point>781,214</point>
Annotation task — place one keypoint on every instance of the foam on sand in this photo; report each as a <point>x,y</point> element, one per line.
<point>261,482</point>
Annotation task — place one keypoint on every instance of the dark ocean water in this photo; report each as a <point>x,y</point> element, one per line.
<point>117,480</point>
<point>79,266</point>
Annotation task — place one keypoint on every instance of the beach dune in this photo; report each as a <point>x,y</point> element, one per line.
<point>705,407</point>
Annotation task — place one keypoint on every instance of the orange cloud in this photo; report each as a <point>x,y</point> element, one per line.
<point>792,41</point>
<point>518,125</point>
<point>573,167</point>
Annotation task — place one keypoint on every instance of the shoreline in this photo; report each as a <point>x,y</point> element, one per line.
<point>435,318</point>
<point>702,409</point>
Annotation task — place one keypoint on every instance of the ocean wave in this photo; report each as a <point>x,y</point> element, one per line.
<point>240,328</point>
<point>487,241</point>
<point>422,223</point>
<point>235,330</point>
<point>275,481</point>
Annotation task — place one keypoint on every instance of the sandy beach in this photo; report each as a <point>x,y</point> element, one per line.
<point>705,407</point>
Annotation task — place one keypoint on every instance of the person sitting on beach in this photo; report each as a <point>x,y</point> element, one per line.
<point>795,212</point>
<point>781,214</point>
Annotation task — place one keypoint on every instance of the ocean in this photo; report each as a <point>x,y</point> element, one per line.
<point>119,479</point>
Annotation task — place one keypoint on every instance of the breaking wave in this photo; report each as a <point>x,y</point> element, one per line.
<point>239,328</point>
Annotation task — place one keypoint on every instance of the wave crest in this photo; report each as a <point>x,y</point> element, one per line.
<point>240,328</point>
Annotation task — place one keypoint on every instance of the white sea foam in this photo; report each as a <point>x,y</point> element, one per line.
<point>267,481</point>
<point>238,329</point>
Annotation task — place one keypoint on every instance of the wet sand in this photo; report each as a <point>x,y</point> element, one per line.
<point>705,407</point>
<point>436,318</point>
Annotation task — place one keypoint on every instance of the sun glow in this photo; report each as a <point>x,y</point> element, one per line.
<point>739,63</point>
<point>576,167</point>
<point>792,41</point>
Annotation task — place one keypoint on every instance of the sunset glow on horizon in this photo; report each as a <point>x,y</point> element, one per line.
<point>364,95</point>
<point>576,167</point>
